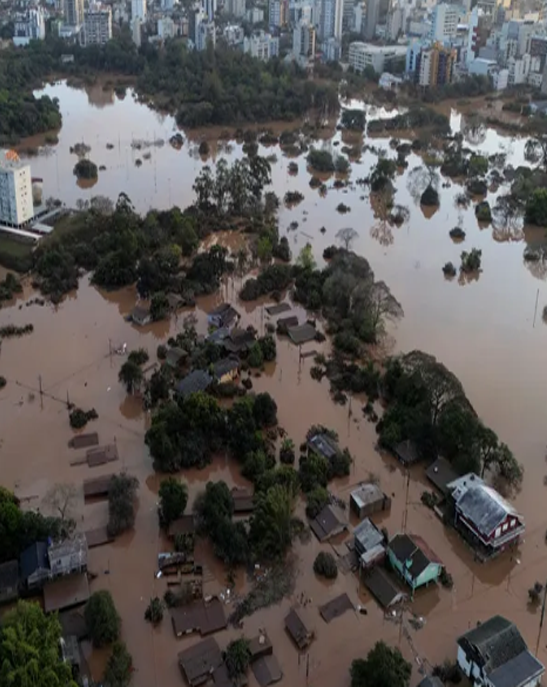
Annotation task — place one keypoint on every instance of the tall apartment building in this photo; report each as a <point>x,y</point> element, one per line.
<point>235,8</point>
<point>444,22</point>
<point>74,12</point>
<point>29,26</point>
<point>372,16</point>
<point>205,34</point>
<point>209,9</point>
<point>97,25</point>
<point>261,45</point>
<point>16,206</point>
<point>278,13</point>
<point>379,57</point>
<point>138,9</point>
<point>330,22</point>
<point>304,40</point>
<point>435,66</point>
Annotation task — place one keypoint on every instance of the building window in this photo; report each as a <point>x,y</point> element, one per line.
<point>512,523</point>
<point>505,526</point>
<point>498,532</point>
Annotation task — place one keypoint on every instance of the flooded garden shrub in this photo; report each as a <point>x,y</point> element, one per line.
<point>159,306</point>
<point>161,352</point>
<point>85,169</point>
<point>119,668</point>
<point>154,611</point>
<point>429,499</point>
<point>446,579</point>
<point>79,418</point>
<point>325,566</point>
<point>449,269</point>
<point>237,657</point>
<point>268,347</point>
<point>293,198</point>
<point>9,286</point>
<point>255,358</point>
<point>282,250</point>
<point>483,212</point>
<point>265,410</point>
<point>3,382</point>
<point>457,234</point>
<point>121,503</point>
<point>471,261</point>
<point>448,671</point>
<point>536,208</point>
<point>286,453</point>
<point>320,160</point>
<point>534,594</point>
<point>173,497</point>
<point>102,620</point>
<point>316,500</point>
<point>10,331</point>
<point>430,197</point>
<point>342,208</point>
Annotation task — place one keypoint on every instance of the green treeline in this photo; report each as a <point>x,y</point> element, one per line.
<point>213,87</point>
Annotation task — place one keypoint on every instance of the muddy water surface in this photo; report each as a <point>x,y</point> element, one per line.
<point>483,330</point>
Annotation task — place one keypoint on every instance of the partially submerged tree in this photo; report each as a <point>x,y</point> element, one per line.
<point>130,376</point>
<point>384,666</point>
<point>237,657</point>
<point>271,523</point>
<point>102,619</point>
<point>173,495</point>
<point>346,237</point>
<point>119,669</point>
<point>121,503</point>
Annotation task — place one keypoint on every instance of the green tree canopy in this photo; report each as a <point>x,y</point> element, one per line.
<point>173,499</point>
<point>30,649</point>
<point>384,666</point>
<point>102,619</point>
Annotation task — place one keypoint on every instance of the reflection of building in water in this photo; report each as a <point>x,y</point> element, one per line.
<point>16,206</point>
<point>98,96</point>
<point>97,25</point>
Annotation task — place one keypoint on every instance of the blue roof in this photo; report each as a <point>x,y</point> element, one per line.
<point>34,558</point>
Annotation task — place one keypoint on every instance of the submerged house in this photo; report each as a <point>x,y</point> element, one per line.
<point>224,315</point>
<point>324,445</point>
<point>9,581</point>
<point>197,380</point>
<point>367,499</point>
<point>68,556</point>
<point>484,517</point>
<point>140,316</point>
<point>226,370</point>
<point>494,654</point>
<point>413,560</point>
<point>369,543</point>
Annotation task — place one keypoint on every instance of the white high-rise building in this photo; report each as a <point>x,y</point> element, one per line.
<point>261,45</point>
<point>444,22</point>
<point>209,9</point>
<point>16,205</point>
<point>29,26</point>
<point>138,9</point>
<point>74,12</point>
<point>136,33</point>
<point>372,16</point>
<point>330,24</point>
<point>97,25</point>
<point>205,34</point>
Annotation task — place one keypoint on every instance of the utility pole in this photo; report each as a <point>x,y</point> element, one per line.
<point>541,618</point>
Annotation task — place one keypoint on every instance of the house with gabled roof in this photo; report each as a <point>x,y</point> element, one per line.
<point>494,654</point>
<point>413,560</point>
<point>489,522</point>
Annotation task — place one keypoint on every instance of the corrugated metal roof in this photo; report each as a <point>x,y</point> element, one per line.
<point>484,507</point>
<point>367,535</point>
<point>517,672</point>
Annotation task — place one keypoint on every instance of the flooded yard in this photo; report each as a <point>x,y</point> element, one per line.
<point>485,331</point>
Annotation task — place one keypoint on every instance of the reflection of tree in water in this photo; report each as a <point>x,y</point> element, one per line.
<point>507,219</point>
<point>535,259</point>
<point>474,129</point>
<point>387,215</point>
<point>468,277</point>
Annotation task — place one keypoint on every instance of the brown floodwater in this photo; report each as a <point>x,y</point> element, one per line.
<point>483,329</point>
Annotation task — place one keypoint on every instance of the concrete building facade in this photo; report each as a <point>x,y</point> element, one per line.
<point>29,26</point>
<point>97,25</point>
<point>16,207</point>
<point>261,45</point>
<point>74,12</point>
